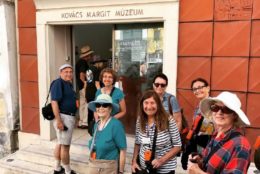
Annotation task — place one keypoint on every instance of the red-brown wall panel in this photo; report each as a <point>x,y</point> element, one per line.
<point>255,39</point>
<point>253,106</point>
<point>254,72</point>
<point>28,68</point>
<point>190,68</point>
<point>26,13</point>
<point>256,9</point>
<point>233,10</point>
<point>27,41</point>
<point>30,120</point>
<point>229,74</point>
<point>196,10</point>
<point>30,94</point>
<point>195,39</point>
<point>231,38</point>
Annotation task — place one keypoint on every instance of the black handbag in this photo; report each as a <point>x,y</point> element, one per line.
<point>47,111</point>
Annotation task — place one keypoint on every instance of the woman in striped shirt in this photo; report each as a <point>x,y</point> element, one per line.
<point>153,116</point>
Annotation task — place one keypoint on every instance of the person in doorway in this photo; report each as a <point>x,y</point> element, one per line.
<point>108,77</point>
<point>100,64</point>
<point>160,83</point>
<point>202,127</point>
<point>109,140</point>
<point>155,153</point>
<point>228,150</point>
<point>81,68</point>
<point>63,101</point>
<point>92,85</point>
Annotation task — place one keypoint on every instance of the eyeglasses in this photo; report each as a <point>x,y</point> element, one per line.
<point>104,105</point>
<point>160,84</point>
<point>198,88</point>
<point>224,109</point>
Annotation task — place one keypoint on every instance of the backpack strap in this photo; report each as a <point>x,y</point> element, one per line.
<point>218,146</point>
<point>170,105</point>
<point>111,93</point>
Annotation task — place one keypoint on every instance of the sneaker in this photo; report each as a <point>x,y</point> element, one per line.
<point>62,171</point>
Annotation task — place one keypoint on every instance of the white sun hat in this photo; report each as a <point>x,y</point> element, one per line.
<point>230,100</point>
<point>65,66</point>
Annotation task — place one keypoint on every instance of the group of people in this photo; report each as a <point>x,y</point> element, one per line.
<point>214,143</point>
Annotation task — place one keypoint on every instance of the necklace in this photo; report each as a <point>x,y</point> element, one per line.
<point>104,124</point>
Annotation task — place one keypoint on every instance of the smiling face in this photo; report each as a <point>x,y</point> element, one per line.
<point>200,90</point>
<point>107,79</point>
<point>150,106</point>
<point>223,120</point>
<point>66,74</point>
<point>160,90</point>
<point>104,112</point>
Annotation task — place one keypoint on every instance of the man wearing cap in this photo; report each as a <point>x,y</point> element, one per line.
<point>63,101</point>
<point>81,68</point>
<point>229,150</point>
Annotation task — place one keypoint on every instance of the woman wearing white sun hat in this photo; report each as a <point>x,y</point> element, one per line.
<point>228,151</point>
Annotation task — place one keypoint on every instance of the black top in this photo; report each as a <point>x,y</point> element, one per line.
<point>92,75</point>
<point>81,67</point>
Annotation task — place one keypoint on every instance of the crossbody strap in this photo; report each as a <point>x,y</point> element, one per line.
<point>154,143</point>
<point>62,90</point>
<point>218,146</point>
<point>94,138</point>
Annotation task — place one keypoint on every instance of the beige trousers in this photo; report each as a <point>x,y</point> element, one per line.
<point>83,108</point>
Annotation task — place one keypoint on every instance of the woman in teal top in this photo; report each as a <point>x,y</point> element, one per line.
<point>110,139</point>
<point>108,77</point>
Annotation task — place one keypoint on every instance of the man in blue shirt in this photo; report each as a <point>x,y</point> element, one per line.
<point>63,101</point>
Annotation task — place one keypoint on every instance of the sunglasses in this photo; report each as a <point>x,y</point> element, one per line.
<point>104,105</point>
<point>224,109</point>
<point>198,88</point>
<point>160,84</point>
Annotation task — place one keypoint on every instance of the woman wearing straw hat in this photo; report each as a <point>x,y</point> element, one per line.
<point>228,151</point>
<point>109,139</point>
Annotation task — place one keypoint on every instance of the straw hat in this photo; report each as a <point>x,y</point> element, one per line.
<point>230,100</point>
<point>85,51</point>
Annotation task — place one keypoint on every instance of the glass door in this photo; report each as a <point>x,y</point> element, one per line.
<point>138,57</point>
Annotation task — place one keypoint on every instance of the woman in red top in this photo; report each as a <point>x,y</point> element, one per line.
<point>228,151</point>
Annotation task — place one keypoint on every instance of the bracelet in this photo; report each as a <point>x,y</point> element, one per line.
<point>120,172</point>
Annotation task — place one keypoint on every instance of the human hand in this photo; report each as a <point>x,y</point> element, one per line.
<point>60,125</point>
<point>135,166</point>
<point>157,163</point>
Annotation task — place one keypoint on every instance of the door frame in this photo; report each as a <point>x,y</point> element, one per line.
<point>49,12</point>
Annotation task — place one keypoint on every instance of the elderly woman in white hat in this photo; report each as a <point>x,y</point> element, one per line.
<point>109,139</point>
<point>228,151</point>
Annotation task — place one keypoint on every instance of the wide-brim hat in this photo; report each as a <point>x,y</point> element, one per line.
<point>97,58</point>
<point>230,100</point>
<point>85,51</point>
<point>104,98</point>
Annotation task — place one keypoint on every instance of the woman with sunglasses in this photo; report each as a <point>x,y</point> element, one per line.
<point>154,121</point>
<point>202,127</point>
<point>108,77</point>
<point>228,151</point>
<point>160,83</point>
<point>109,139</point>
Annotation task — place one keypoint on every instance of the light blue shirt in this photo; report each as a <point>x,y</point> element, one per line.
<point>173,101</point>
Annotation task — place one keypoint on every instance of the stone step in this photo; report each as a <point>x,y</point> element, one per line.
<point>38,155</point>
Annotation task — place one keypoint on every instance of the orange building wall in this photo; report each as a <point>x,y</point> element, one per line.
<point>28,66</point>
<point>219,41</point>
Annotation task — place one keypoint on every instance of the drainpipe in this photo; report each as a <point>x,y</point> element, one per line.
<point>9,100</point>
